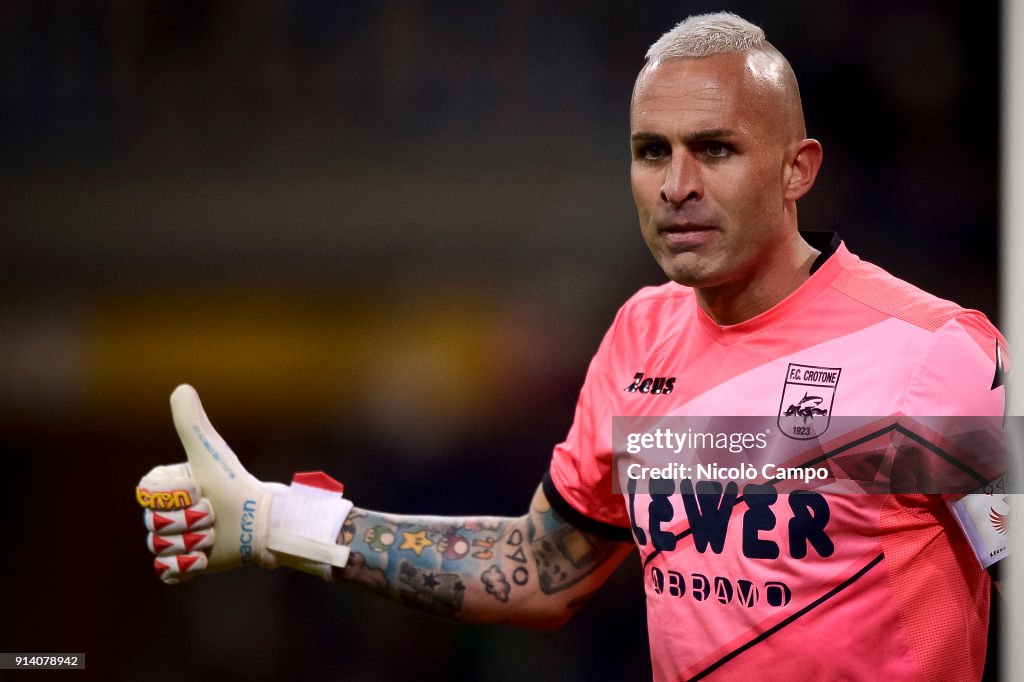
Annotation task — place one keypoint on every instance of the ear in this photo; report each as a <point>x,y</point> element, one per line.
<point>802,169</point>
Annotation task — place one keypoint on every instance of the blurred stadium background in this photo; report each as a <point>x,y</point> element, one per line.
<point>382,239</point>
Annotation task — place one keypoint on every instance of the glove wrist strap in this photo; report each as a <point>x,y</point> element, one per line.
<point>305,524</point>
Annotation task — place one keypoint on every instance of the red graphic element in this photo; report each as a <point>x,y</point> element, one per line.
<point>159,522</point>
<point>999,521</point>
<point>193,517</point>
<point>160,544</point>
<point>192,539</point>
<point>159,567</point>
<point>318,479</point>
<point>185,562</point>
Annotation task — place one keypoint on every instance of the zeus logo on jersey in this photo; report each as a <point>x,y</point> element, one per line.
<point>656,385</point>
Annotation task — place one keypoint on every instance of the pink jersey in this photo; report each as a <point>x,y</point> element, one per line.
<point>806,586</point>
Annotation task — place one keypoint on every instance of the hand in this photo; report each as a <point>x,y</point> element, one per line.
<point>179,520</point>
<point>241,520</point>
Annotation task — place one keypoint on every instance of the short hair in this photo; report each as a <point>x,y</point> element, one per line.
<point>704,35</point>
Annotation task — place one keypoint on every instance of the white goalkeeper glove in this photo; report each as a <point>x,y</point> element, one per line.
<point>211,515</point>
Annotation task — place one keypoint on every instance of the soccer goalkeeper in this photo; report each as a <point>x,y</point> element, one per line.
<point>758,318</point>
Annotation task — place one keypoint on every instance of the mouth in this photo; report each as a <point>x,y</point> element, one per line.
<point>685,236</point>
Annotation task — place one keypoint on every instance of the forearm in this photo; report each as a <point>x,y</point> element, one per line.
<point>211,515</point>
<point>532,570</point>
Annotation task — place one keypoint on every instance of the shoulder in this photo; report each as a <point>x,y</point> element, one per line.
<point>876,288</point>
<point>956,352</point>
<point>873,287</point>
<point>662,293</point>
<point>948,322</point>
<point>657,302</point>
<point>653,313</point>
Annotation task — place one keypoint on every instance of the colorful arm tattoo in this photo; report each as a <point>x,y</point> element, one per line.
<point>474,568</point>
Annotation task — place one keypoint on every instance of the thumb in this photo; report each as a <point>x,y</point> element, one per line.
<point>209,455</point>
<point>241,507</point>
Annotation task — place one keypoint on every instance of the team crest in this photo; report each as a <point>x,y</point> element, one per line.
<point>806,407</point>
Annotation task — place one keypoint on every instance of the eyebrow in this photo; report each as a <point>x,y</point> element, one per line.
<point>712,134</point>
<point>690,138</point>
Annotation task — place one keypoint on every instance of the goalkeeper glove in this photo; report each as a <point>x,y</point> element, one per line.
<point>211,515</point>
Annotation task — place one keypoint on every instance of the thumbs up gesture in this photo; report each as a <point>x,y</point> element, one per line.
<point>211,515</point>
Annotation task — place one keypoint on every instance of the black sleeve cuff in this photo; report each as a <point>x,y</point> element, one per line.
<point>584,523</point>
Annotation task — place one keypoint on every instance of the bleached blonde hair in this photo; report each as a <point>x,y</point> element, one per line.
<point>704,35</point>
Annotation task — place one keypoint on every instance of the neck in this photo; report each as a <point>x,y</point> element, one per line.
<point>747,297</point>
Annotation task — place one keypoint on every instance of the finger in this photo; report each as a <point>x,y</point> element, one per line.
<point>167,475</point>
<point>168,487</point>
<point>170,545</point>
<point>243,507</point>
<point>177,521</point>
<point>209,456</point>
<point>179,568</point>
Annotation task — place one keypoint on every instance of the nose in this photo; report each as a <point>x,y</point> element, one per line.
<point>682,180</point>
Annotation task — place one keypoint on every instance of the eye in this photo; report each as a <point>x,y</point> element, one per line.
<point>717,150</point>
<point>652,151</point>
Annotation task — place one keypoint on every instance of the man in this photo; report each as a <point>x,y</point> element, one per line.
<point>802,585</point>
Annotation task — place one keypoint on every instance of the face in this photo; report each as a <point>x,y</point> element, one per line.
<point>709,141</point>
